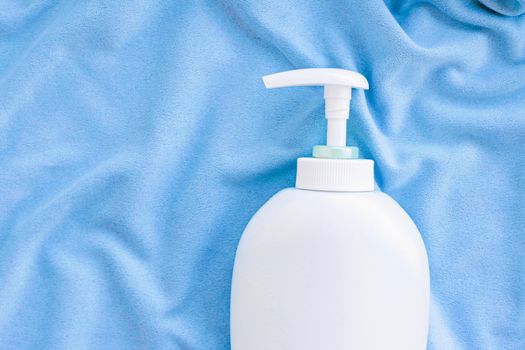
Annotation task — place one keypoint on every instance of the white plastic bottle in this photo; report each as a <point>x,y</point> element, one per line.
<point>331,264</point>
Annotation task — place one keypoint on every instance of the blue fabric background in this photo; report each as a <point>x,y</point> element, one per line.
<point>137,139</point>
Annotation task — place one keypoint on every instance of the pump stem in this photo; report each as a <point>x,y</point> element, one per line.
<point>336,132</point>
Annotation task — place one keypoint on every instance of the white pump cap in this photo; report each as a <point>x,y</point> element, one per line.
<point>334,167</point>
<point>338,84</point>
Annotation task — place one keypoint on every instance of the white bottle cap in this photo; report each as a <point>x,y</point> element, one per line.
<point>334,166</point>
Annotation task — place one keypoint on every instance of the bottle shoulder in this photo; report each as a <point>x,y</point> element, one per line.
<point>298,200</point>
<point>351,223</point>
<point>294,199</point>
<point>341,216</point>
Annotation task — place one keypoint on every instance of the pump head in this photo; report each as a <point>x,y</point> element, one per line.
<point>338,84</point>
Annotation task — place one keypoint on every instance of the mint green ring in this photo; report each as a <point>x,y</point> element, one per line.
<point>335,152</point>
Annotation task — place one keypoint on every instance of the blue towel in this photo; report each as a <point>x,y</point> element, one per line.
<point>137,140</point>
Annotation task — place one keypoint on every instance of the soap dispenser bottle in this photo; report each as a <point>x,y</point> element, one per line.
<point>333,263</point>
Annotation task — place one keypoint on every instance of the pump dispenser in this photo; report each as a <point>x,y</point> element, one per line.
<point>332,263</point>
<point>325,171</point>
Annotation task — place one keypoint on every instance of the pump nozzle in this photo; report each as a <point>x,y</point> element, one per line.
<point>338,84</point>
